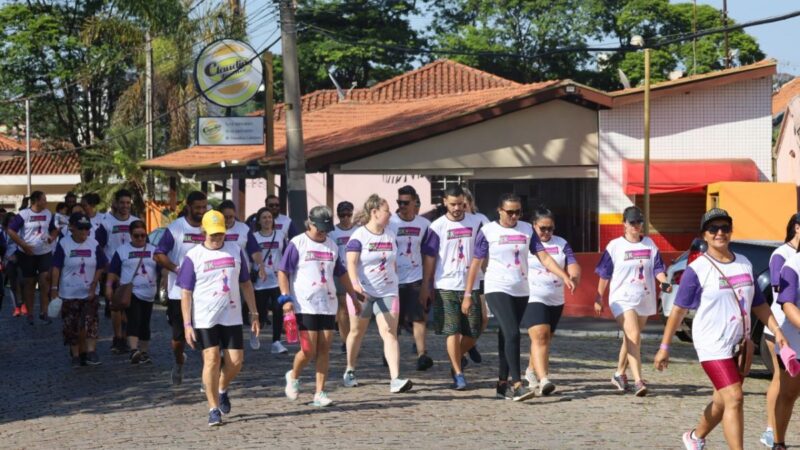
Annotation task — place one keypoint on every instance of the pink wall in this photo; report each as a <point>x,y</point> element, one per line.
<point>354,188</point>
<point>788,148</point>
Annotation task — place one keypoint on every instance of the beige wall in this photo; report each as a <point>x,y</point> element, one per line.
<point>556,133</point>
<point>788,166</point>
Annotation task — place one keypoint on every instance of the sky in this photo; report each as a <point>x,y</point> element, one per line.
<point>777,40</point>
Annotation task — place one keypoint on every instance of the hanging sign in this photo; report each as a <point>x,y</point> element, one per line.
<point>234,62</point>
<point>230,131</point>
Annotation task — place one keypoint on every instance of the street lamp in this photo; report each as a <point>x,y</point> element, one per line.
<point>638,41</point>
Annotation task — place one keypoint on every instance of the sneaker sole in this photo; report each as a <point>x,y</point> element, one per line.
<point>405,388</point>
<point>641,392</point>
<point>548,389</point>
<point>525,396</point>
<point>215,424</point>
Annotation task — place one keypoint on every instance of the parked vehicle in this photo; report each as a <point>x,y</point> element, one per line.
<point>758,252</point>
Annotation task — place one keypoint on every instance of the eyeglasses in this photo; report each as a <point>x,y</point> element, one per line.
<point>635,222</point>
<point>138,235</point>
<point>512,212</point>
<point>714,229</point>
<point>547,229</point>
<point>273,205</point>
<point>403,202</point>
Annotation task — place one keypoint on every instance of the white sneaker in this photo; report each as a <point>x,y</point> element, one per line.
<point>530,377</point>
<point>292,386</point>
<point>349,378</point>
<point>321,399</point>
<point>399,385</point>
<point>278,348</point>
<point>546,387</point>
<point>255,343</point>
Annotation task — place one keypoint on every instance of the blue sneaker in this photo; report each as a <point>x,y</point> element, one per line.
<point>224,403</point>
<point>460,382</point>
<point>768,438</point>
<point>214,417</point>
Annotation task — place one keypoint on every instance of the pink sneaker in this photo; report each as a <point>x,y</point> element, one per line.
<point>693,443</point>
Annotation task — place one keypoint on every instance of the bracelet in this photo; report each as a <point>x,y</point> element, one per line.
<point>187,325</point>
<point>253,314</point>
<point>53,288</point>
<point>284,298</point>
<point>664,347</point>
<point>467,294</point>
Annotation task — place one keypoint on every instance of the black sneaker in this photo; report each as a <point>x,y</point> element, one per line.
<point>145,358</point>
<point>424,362</point>
<point>136,357</point>
<point>520,393</point>
<point>475,355</point>
<point>503,392</point>
<point>214,417</point>
<point>92,359</point>
<point>224,403</point>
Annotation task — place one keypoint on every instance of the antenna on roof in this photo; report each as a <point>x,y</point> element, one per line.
<point>339,92</point>
<point>623,79</point>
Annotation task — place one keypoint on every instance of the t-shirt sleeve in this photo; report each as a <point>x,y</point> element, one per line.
<point>353,245</point>
<point>338,268</point>
<point>690,291</point>
<point>605,267</point>
<point>570,255</point>
<point>536,244</point>
<point>252,244</point>
<point>52,225</point>
<point>658,264</point>
<point>775,266</point>
<point>58,256</point>
<point>758,296</point>
<point>787,286</point>
<point>102,261</point>
<point>16,223</point>
<point>186,276</point>
<point>290,259</point>
<point>430,247</point>
<point>481,246</point>
<point>116,265</point>
<point>101,236</point>
<point>166,243</point>
<point>244,271</point>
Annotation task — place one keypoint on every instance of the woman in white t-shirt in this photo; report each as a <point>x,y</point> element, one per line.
<point>546,300</point>
<point>720,285</point>
<point>133,263</point>
<point>506,243</point>
<point>211,277</point>
<point>305,277</point>
<point>372,268</point>
<point>265,244</point>
<point>631,264</point>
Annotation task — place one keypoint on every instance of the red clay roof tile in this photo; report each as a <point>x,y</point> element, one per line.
<point>43,163</point>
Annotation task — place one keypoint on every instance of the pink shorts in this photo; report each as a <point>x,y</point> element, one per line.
<point>722,372</point>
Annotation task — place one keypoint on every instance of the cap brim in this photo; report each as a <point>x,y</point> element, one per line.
<point>215,230</point>
<point>326,226</point>
<point>728,219</point>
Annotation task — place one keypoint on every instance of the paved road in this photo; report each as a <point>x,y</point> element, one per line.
<point>46,404</point>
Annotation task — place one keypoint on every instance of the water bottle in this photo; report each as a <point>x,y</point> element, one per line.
<point>290,328</point>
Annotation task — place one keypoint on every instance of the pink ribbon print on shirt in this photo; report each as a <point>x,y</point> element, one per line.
<point>82,254</point>
<point>460,233</point>
<point>122,230</point>
<point>224,263</point>
<point>409,233</point>
<point>324,258</point>
<point>382,247</point>
<point>519,242</point>
<point>641,255</point>
<point>738,282</point>
<point>37,232</point>
<point>143,267</point>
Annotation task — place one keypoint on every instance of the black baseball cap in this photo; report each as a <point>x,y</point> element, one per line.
<point>322,218</point>
<point>344,206</point>
<point>633,214</point>
<point>715,214</point>
<point>80,221</point>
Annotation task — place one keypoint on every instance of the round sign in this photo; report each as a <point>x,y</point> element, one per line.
<point>228,72</point>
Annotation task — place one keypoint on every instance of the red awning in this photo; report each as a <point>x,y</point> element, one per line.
<point>685,175</point>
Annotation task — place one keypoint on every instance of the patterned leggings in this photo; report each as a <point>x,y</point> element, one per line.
<point>79,315</point>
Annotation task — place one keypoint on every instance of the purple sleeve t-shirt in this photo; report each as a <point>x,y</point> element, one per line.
<point>252,244</point>
<point>166,243</point>
<point>430,246</point>
<point>186,276</point>
<point>605,267</point>
<point>570,255</point>
<point>775,265</point>
<point>290,259</point>
<point>115,266</point>
<point>481,250</point>
<point>688,296</point>
<point>658,264</point>
<point>787,286</point>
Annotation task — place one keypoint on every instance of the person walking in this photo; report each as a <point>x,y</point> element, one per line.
<point>546,300</point>
<point>372,269</point>
<point>506,244</point>
<point>410,229</point>
<point>282,221</point>
<point>341,235</point>
<point>631,263</point>
<point>720,286</point>
<point>77,265</point>
<point>211,277</point>
<point>182,235</point>
<point>305,278</point>
<point>133,263</point>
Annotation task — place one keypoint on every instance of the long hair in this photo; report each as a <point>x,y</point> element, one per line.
<point>374,201</point>
<point>790,231</point>
<point>261,211</point>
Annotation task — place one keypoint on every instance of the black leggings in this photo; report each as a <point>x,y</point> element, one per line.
<point>508,311</point>
<point>139,313</point>
<point>267,299</point>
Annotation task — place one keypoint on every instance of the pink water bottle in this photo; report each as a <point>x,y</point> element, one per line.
<point>290,328</point>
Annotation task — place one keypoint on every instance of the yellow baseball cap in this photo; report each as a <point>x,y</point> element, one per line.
<point>213,222</point>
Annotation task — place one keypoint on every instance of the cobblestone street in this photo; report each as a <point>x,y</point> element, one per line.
<point>46,404</point>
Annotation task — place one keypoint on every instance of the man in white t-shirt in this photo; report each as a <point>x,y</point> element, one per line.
<point>117,229</point>
<point>282,222</point>
<point>410,229</point>
<point>448,248</point>
<point>180,236</point>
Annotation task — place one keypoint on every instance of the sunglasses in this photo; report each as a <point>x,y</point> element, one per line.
<point>403,202</point>
<point>138,235</point>
<point>547,229</point>
<point>714,229</point>
<point>273,205</point>
<point>512,212</point>
<point>636,222</point>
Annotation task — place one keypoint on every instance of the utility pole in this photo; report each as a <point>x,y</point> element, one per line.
<point>725,25</point>
<point>28,142</point>
<point>295,158</point>
<point>148,110</point>
<point>269,119</point>
<point>646,141</point>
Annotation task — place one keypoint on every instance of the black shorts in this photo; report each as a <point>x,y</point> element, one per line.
<point>224,337</point>
<point>316,322</point>
<point>540,314</point>
<point>175,320</point>
<point>411,310</point>
<point>33,265</point>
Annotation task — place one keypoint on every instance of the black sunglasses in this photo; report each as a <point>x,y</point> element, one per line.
<point>636,222</point>
<point>714,229</point>
<point>403,202</point>
<point>547,229</point>
<point>512,212</point>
